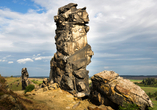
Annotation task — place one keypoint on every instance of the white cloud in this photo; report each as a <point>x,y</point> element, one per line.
<point>106,67</point>
<point>6,56</point>
<point>117,28</point>
<point>43,57</point>
<point>134,59</point>
<point>36,31</point>
<point>24,60</point>
<point>10,62</point>
<point>3,60</point>
<point>38,54</point>
<point>107,55</point>
<point>106,17</point>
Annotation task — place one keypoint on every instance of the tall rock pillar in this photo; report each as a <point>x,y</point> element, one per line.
<point>68,66</point>
<point>24,77</point>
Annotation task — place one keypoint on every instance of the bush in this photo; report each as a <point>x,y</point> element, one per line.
<point>149,81</point>
<point>2,80</point>
<point>128,106</point>
<point>35,82</point>
<point>152,94</point>
<point>156,98</point>
<point>150,108</point>
<point>29,88</point>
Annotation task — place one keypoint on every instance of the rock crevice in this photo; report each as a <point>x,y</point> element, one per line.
<point>68,66</point>
<point>109,88</point>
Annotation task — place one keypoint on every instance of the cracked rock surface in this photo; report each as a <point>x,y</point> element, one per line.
<point>109,88</point>
<point>68,66</point>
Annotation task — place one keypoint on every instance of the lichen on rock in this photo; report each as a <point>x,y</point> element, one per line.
<point>109,88</point>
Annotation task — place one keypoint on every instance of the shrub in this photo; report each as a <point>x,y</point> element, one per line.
<point>29,88</point>
<point>35,82</point>
<point>150,108</point>
<point>2,80</point>
<point>152,94</point>
<point>149,81</point>
<point>128,106</point>
<point>156,98</point>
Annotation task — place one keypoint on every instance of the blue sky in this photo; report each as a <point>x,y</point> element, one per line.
<point>123,35</point>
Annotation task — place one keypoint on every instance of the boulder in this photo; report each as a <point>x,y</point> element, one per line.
<point>109,88</point>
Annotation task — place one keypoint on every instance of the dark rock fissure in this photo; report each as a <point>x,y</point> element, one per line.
<point>68,66</point>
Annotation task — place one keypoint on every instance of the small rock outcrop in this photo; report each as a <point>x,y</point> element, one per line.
<point>68,66</point>
<point>110,89</point>
<point>24,76</point>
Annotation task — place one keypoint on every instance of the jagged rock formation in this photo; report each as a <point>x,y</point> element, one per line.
<point>109,88</point>
<point>68,66</point>
<point>24,76</point>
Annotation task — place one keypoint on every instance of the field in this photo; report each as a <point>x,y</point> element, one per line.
<point>147,90</point>
<point>14,84</point>
<point>133,80</point>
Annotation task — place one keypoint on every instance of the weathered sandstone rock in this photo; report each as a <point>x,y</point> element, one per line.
<point>68,66</point>
<point>101,107</point>
<point>24,76</point>
<point>109,88</point>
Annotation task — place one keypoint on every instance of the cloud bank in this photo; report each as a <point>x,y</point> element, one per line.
<point>122,35</point>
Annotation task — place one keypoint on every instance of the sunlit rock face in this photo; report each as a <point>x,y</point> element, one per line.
<point>110,89</point>
<point>68,66</point>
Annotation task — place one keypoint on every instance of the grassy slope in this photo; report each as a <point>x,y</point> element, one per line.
<point>14,87</point>
<point>13,82</point>
<point>151,90</point>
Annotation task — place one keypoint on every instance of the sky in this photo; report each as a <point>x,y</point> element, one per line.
<point>123,35</point>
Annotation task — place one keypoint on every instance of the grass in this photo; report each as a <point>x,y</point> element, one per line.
<point>155,103</point>
<point>13,82</point>
<point>133,80</point>
<point>151,90</point>
<point>12,79</point>
<point>37,82</point>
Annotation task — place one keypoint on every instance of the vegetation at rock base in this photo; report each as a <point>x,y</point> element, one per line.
<point>37,82</point>
<point>15,80</point>
<point>34,81</point>
<point>128,106</point>
<point>29,88</point>
<point>149,86</point>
